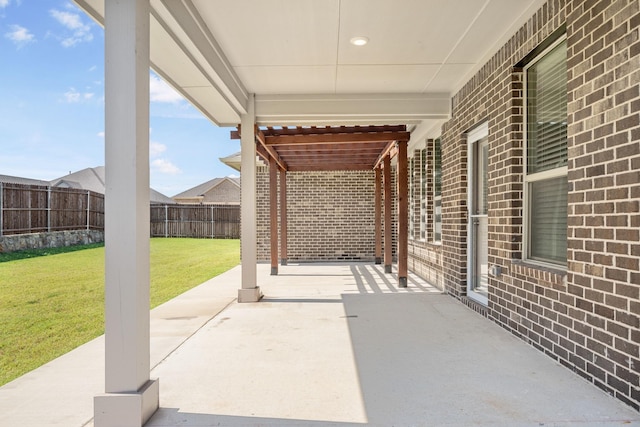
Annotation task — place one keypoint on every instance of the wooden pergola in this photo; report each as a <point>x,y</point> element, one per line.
<point>333,148</point>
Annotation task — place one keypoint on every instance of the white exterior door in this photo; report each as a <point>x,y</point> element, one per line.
<point>478,226</point>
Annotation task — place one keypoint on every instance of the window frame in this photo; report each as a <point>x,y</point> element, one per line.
<point>528,179</point>
<point>422,188</point>
<point>437,143</point>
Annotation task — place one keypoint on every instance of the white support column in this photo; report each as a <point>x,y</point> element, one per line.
<point>250,292</point>
<point>130,396</point>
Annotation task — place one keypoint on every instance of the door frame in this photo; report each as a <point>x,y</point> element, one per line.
<point>473,136</point>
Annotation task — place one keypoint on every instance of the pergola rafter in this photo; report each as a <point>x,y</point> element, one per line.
<point>327,148</point>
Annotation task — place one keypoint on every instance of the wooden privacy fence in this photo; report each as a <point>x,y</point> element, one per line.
<point>36,209</point>
<point>205,221</point>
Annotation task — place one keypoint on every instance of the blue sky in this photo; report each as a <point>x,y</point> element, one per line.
<point>52,104</point>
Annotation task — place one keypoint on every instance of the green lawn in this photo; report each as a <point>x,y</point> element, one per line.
<point>52,304</point>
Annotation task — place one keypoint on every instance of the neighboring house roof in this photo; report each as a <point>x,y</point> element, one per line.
<point>86,179</point>
<point>94,179</point>
<point>216,191</point>
<point>202,189</point>
<point>24,181</point>
<point>158,197</point>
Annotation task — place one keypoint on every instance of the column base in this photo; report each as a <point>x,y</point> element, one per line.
<point>249,295</point>
<point>274,271</point>
<point>387,269</point>
<point>283,261</point>
<point>126,409</point>
<point>378,260</point>
<point>402,282</point>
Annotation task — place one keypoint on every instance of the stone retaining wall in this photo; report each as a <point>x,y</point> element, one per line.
<point>55,239</point>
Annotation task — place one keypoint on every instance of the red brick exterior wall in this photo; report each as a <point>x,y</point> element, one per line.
<point>330,216</point>
<point>586,317</point>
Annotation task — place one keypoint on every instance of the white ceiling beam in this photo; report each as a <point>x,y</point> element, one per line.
<point>224,78</point>
<point>350,109</point>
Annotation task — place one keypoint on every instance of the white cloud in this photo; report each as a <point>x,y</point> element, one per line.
<point>72,96</point>
<point>159,91</point>
<point>80,32</point>
<point>20,36</point>
<point>156,148</point>
<point>4,3</point>
<point>101,134</point>
<point>165,166</point>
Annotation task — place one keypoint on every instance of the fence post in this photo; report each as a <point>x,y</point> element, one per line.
<point>166,220</point>
<point>88,208</point>
<point>29,211</point>
<point>1,208</point>
<point>49,209</point>
<point>213,224</point>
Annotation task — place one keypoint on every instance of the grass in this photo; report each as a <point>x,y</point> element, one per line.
<point>52,301</point>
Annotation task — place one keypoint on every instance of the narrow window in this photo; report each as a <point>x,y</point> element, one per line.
<point>546,172</point>
<point>412,198</point>
<point>423,194</point>
<point>437,191</point>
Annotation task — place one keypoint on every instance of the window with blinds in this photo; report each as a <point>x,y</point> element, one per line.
<point>547,111</point>
<point>546,174</point>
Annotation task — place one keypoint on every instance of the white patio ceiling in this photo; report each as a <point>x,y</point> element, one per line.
<point>296,55</point>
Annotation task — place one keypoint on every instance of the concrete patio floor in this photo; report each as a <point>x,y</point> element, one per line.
<point>329,345</point>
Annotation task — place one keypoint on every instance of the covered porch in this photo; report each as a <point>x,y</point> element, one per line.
<point>308,71</point>
<point>334,344</point>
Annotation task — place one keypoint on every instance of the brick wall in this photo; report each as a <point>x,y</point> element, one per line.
<point>587,316</point>
<point>226,192</point>
<point>330,215</point>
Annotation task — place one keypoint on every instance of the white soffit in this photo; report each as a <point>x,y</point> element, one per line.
<point>291,53</point>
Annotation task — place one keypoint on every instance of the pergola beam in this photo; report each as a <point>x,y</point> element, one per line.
<point>323,130</point>
<point>385,153</point>
<point>326,168</point>
<point>337,138</point>
<point>353,146</point>
<point>261,139</point>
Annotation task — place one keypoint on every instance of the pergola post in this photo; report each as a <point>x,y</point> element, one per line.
<point>388,254</point>
<point>378,215</point>
<point>130,396</point>
<point>283,217</point>
<point>273,214</point>
<point>250,292</point>
<point>403,214</point>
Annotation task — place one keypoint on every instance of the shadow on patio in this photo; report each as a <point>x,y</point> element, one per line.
<point>340,345</point>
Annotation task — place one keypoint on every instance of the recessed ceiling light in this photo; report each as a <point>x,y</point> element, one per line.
<point>359,41</point>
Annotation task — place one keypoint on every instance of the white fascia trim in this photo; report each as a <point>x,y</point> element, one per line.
<point>92,8</point>
<point>204,51</point>
<point>427,129</point>
<point>367,109</point>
